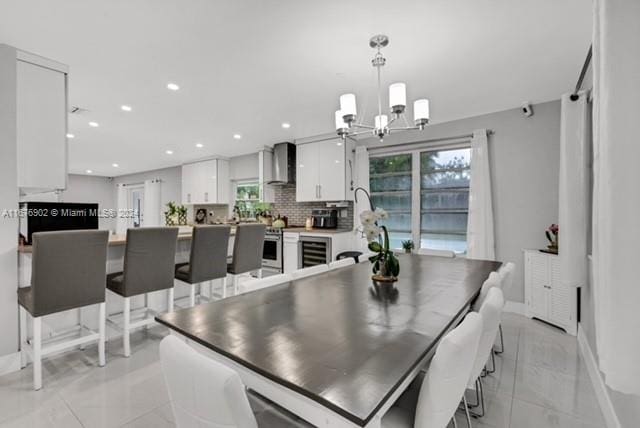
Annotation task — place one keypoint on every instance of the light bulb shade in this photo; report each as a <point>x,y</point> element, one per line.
<point>421,111</point>
<point>381,122</point>
<point>348,105</point>
<point>397,97</point>
<point>340,123</point>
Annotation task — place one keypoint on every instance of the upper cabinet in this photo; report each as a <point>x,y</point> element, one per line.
<point>41,122</point>
<point>205,182</point>
<point>324,171</point>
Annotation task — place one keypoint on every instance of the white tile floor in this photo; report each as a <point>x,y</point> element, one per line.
<point>540,381</point>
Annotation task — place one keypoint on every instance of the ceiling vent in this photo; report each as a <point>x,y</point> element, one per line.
<point>77,110</point>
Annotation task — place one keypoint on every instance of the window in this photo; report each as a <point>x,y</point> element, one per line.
<point>435,199</point>
<point>247,196</point>
<point>390,184</point>
<point>444,199</point>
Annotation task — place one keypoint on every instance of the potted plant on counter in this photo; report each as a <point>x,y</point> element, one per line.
<point>386,266</point>
<point>408,246</point>
<point>175,215</point>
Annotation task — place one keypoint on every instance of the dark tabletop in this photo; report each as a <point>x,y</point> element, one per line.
<point>333,337</point>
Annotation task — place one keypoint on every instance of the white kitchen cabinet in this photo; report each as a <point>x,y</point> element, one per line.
<point>290,251</point>
<point>324,171</point>
<point>546,297</point>
<point>41,123</point>
<point>205,182</point>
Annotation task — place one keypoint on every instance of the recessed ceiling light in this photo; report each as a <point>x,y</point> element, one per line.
<point>169,152</point>
<point>337,161</point>
<point>94,124</point>
<point>89,171</point>
<point>199,145</point>
<point>125,108</point>
<point>237,136</point>
<point>286,125</point>
<point>172,86</point>
<point>301,165</point>
<point>339,143</point>
<point>70,136</point>
<point>115,165</point>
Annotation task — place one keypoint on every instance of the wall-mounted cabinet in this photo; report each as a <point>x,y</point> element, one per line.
<point>324,171</point>
<point>205,182</point>
<point>41,122</point>
<point>546,297</point>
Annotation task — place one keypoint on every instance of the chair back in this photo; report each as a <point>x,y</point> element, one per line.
<point>305,272</point>
<point>68,270</point>
<point>506,272</point>
<point>491,310</point>
<point>149,259</point>
<point>203,392</point>
<point>494,280</point>
<point>439,253</point>
<point>258,284</point>
<point>446,379</point>
<point>208,257</point>
<point>248,248</point>
<point>342,263</point>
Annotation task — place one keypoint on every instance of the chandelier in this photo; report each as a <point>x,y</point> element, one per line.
<point>346,117</point>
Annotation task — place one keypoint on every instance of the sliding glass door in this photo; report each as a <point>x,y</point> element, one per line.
<point>426,194</point>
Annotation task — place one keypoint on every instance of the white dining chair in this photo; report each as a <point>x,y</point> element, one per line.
<point>444,383</point>
<point>506,273</point>
<point>490,311</point>
<point>341,263</point>
<point>258,284</point>
<point>203,392</point>
<point>494,280</point>
<point>309,271</point>
<point>439,253</point>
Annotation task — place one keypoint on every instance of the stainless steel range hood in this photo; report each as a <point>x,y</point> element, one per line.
<point>284,164</point>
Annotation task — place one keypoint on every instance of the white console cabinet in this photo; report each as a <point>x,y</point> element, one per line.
<point>545,297</point>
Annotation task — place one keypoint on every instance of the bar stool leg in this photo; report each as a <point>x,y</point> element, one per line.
<point>23,336</point>
<point>260,273</point>
<point>102,318</point>
<point>170,299</point>
<point>126,344</point>
<point>81,322</point>
<point>224,287</point>
<point>192,295</point>
<point>37,353</point>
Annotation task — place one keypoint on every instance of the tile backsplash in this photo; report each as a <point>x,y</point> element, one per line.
<point>285,204</point>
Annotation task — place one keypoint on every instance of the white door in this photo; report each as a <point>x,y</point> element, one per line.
<point>41,127</point>
<point>332,169</point>
<point>307,173</point>
<point>539,281</point>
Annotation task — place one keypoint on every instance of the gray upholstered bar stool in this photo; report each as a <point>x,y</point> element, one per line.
<point>247,251</point>
<point>149,264</point>
<point>207,259</point>
<point>68,271</point>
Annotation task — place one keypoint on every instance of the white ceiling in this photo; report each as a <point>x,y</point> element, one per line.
<point>247,66</point>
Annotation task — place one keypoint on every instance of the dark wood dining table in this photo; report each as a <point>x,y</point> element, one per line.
<point>332,348</point>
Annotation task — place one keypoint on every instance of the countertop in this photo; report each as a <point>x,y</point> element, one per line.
<point>302,229</point>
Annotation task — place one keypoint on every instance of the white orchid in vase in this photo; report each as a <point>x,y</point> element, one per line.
<point>385,263</point>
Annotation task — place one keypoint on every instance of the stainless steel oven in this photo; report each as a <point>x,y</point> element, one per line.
<point>272,252</point>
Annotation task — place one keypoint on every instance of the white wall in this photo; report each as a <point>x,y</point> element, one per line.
<point>9,201</point>
<point>171,183</point>
<point>92,189</point>
<point>524,172</point>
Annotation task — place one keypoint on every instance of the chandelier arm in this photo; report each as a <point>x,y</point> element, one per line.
<point>393,119</point>
<point>362,126</point>
<point>404,128</point>
<point>353,134</point>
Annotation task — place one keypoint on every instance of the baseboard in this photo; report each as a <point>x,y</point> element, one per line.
<point>514,307</point>
<point>9,363</point>
<point>608,411</point>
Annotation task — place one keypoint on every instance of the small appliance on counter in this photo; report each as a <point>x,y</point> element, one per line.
<point>324,218</point>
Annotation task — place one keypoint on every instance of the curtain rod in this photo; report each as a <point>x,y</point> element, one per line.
<point>432,140</point>
<point>583,72</point>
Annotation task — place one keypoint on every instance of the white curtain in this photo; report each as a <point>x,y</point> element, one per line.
<point>151,210</point>
<point>616,209</point>
<point>575,146</point>
<point>122,221</point>
<point>480,237</point>
<point>361,180</point>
